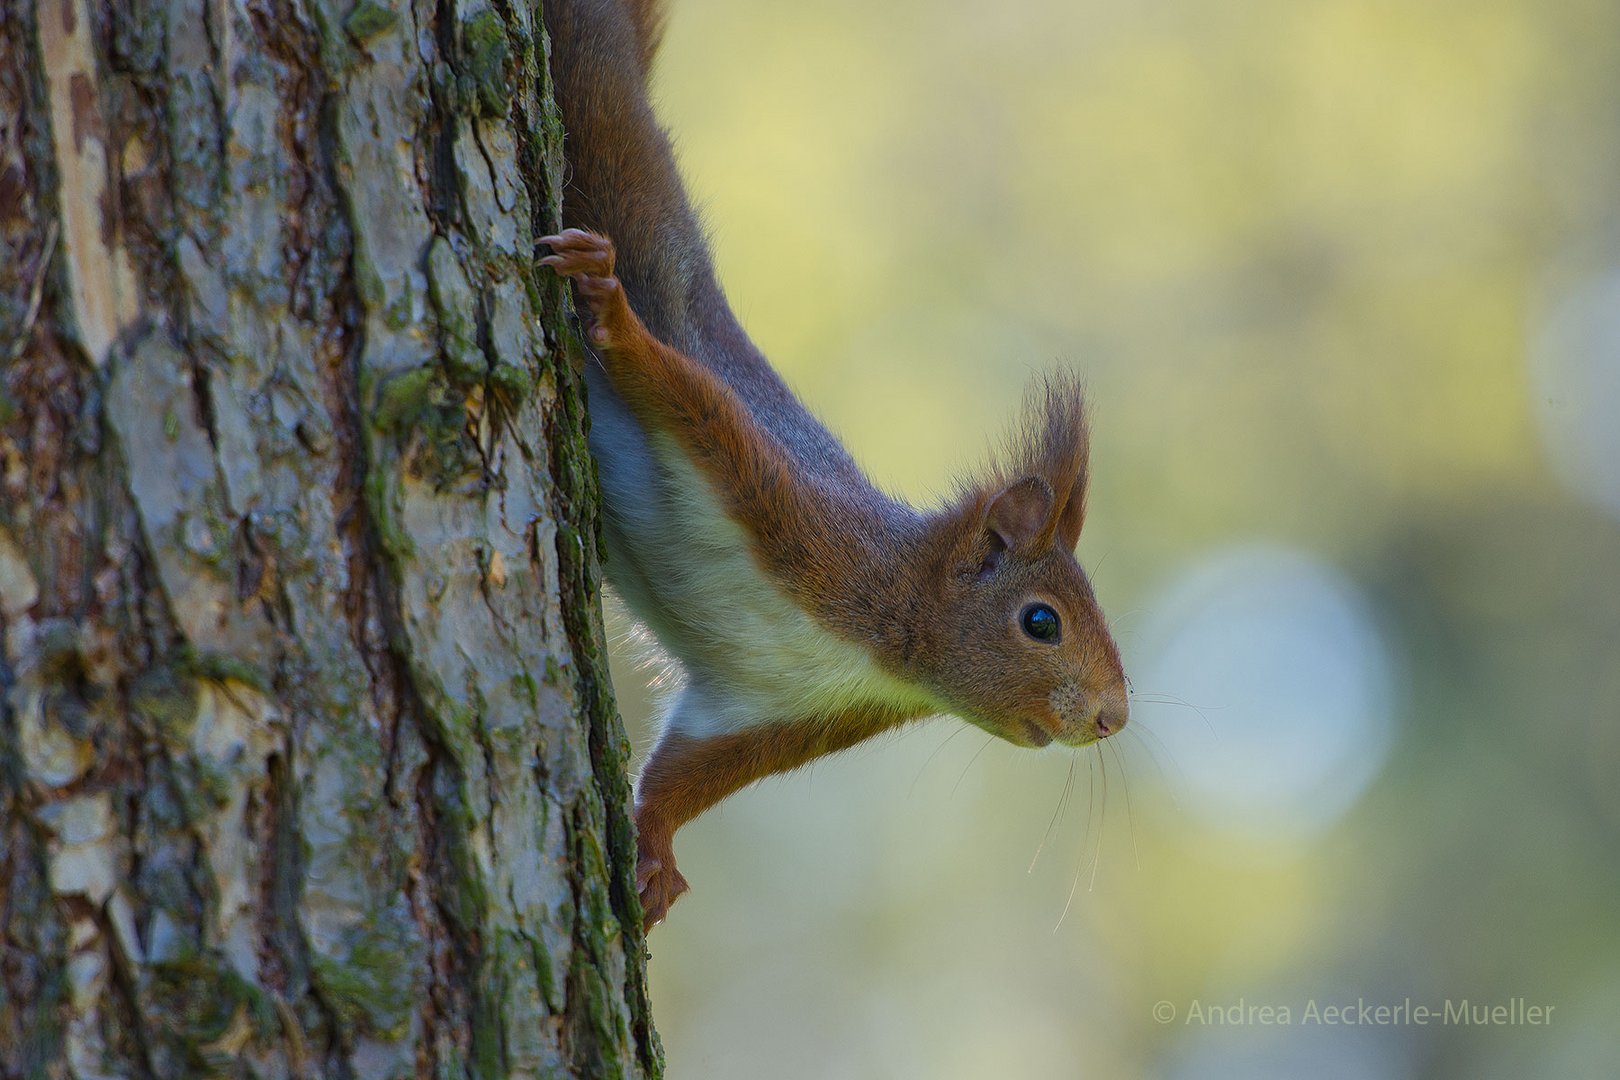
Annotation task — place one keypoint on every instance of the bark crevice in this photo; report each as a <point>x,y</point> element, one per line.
<point>309,762</point>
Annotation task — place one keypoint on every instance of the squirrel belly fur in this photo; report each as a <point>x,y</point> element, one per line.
<point>807,609</point>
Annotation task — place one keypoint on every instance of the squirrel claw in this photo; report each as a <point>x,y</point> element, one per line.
<point>578,253</point>
<point>659,885</point>
<point>646,867</point>
<point>587,258</point>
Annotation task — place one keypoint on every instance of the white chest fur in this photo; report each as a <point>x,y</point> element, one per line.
<point>683,567</point>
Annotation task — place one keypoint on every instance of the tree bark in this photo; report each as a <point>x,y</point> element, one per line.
<point>308,760</point>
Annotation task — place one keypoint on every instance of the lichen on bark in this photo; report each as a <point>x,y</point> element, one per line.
<point>308,757</point>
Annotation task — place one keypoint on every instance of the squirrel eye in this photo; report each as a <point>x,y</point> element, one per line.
<point>1041,623</point>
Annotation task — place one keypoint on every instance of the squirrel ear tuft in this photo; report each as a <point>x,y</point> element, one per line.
<point>1072,517</point>
<point>1020,517</point>
<point>1053,443</point>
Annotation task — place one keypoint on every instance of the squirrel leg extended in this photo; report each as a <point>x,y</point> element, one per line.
<point>684,776</point>
<point>687,774</point>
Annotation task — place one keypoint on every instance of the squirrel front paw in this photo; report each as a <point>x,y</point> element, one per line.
<point>657,881</point>
<point>587,258</point>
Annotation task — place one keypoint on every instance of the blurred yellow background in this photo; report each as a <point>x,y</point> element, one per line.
<point>1345,281</point>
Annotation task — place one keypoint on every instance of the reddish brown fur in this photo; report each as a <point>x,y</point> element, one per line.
<point>920,599</point>
<point>913,589</point>
<point>834,554</point>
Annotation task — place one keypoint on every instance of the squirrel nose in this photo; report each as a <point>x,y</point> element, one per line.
<point>1083,716</point>
<point>1111,717</point>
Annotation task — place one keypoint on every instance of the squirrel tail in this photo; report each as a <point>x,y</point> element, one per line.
<point>648,17</point>
<point>622,179</point>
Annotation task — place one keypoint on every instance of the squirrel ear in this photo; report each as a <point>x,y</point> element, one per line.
<point>1073,515</point>
<point>1020,516</point>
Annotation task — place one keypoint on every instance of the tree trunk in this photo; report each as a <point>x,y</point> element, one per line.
<point>308,761</point>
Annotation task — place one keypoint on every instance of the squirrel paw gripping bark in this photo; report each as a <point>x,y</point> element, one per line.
<point>657,881</point>
<point>587,258</point>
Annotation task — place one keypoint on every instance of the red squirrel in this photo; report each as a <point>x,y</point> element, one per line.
<point>808,610</point>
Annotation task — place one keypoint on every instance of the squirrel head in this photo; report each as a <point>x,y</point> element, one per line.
<point>1016,642</point>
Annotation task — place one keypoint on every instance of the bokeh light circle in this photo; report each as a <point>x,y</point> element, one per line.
<point>1281,686</point>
